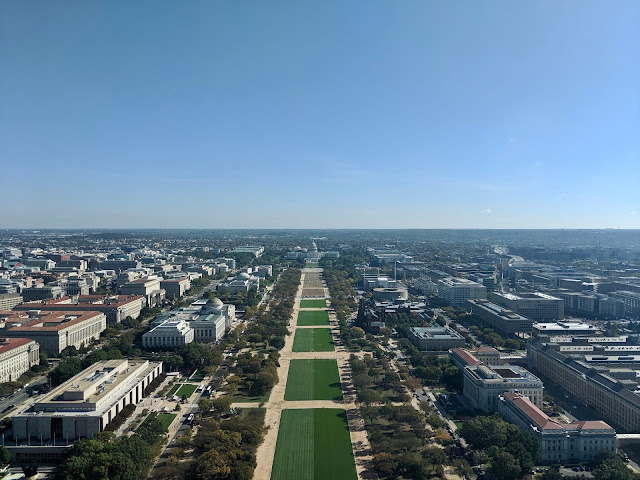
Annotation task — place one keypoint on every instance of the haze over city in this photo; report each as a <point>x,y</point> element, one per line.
<point>328,114</point>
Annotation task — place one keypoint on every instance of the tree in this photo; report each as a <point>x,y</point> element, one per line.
<point>211,466</point>
<point>503,465</point>
<point>552,474</point>
<point>5,456</point>
<point>614,469</point>
<point>204,405</point>
<point>221,404</point>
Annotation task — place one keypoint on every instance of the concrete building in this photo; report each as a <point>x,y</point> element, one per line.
<point>611,398</point>
<point>175,288</point>
<point>148,287</point>
<point>81,407</point>
<point>456,291</point>
<point>54,331</point>
<point>115,307</point>
<point>564,328</point>
<point>435,338</point>
<point>41,263</point>
<point>169,334</point>
<point>254,250</point>
<point>9,300</point>
<point>17,356</point>
<point>42,292</point>
<point>631,302</point>
<point>424,285</point>
<point>569,443</point>
<point>461,357</point>
<point>505,321</point>
<point>483,385</point>
<point>119,265</point>
<point>391,294</point>
<point>536,306</point>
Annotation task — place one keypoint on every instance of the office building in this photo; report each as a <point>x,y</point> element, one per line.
<point>115,307</point>
<point>424,285</point>
<point>631,302</point>
<point>560,443</point>
<point>456,291</point>
<point>435,338</point>
<point>9,300</point>
<point>175,288</point>
<point>537,306</point>
<point>148,287</point>
<point>254,250</point>
<point>42,292</point>
<point>483,385</point>
<point>616,400</point>
<point>17,356</point>
<point>564,328</point>
<point>499,318</point>
<point>54,331</point>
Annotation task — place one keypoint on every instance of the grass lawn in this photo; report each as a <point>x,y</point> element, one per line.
<point>313,318</point>
<point>316,379</point>
<point>313,340</point>
<point>312,265</point>
<point>186,389</point>
<point>313,303</point>
<point>173,389</point>
<point>165,419</point>
<point>458,424</point>
<point>198,377</point>
<point>243,396</point>
<point>313,444</point>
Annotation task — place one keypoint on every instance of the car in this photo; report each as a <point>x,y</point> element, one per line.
<point>576,469</point>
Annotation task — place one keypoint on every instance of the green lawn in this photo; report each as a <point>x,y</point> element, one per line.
<point>312,265</point>
<point>306,318</point>
<point>198,377</point>
<point>316,379</point>
<point>186,389</point>
<point>173,389</point>
<point>313,340</point>
<point>165,419</point>
<point>243,396</point>
<point>313,303</point>
<point>313,444</point>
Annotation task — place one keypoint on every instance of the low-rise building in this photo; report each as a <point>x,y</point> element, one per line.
<point>148,287</point>
<point>243,282</point>
<point>17,356</point>
<point>80,408</point>
<point>435,338</point>
<point>175,288</point>
<point>42,292</point>
<point>169,334</point>
<point>499,318</point>
<point>9,300</point>
<point>54,331</point>
<point>254,250</point>
<point>115,307</point>
<point>483,385</point>
<point>456,291</point>
<point>564,328</point>
<point>578,441</point>
<point>536,305</point>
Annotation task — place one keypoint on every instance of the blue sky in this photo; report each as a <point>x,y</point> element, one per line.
<point>411,114</point>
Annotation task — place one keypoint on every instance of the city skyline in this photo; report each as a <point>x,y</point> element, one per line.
<point>412,115</point>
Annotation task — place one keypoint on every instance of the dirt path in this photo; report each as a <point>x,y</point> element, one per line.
<point>277,403</point>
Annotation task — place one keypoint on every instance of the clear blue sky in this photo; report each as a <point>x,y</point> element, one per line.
<point>425,114</point>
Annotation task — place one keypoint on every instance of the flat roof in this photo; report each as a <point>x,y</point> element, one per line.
<point>46,321</point>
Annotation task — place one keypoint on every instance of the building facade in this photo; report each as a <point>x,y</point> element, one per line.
<point>169,334</point>
<point>17,356</point>
<point>536,306</point>
<point>499,318</point>
<point>55,331</point>
<point>483,385</point>
<point>435,338</point>
<point>575,442</point>
<point>456,291</point>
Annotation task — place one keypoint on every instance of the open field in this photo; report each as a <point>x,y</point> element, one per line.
<point>186,389</point>
<point>306,318</point>
<point>313,303</point>
<point>313,444</point>
<point>316,379</point>
<point>243,396</point>
<point>313,340</point>
<point>198,377</point>
<point>313,292</point>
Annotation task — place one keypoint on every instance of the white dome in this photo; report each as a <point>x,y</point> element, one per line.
<point>244,275</point>
<point>217,302</point>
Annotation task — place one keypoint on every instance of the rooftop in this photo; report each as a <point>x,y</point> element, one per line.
<point>20,321</point>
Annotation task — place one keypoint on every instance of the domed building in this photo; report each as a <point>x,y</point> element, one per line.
<point>243,282</point>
